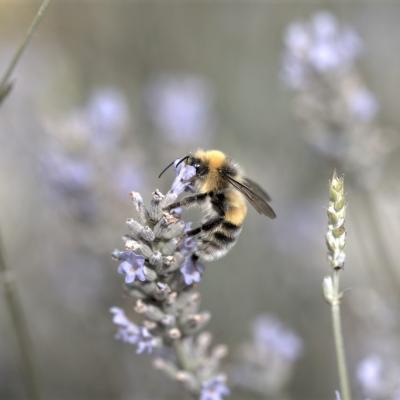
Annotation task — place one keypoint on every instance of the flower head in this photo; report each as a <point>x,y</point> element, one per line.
<point>320,45</point>
<point>214,389</point>
<point>191,271</point>
<point>132,266</point>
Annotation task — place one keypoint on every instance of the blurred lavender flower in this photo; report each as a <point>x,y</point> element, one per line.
<point>363,104</point>
<point>70,179</point>
<point>159,273</point>
<point>271,335</point>
<point>68,174</point>
<point>338,109</point>
<point>127,331</point>
<point>127,175</point>
<point>131,266</point>
<point>266,363</point>
<point>180,107</point>
<point>379,379</point>
<point>319,46</point>
<point>214,389</point>
<point>74,164</point>
<point>108,115</point>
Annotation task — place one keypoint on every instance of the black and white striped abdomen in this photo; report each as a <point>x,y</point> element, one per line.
<point>215,244</point>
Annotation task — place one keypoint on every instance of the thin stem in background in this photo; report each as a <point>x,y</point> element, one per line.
<point>12,298</point>
<point>339,344</point>
<point>5,84</point>
<point>17,314</point>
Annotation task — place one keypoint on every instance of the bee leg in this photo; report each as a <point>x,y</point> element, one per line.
<point>206,227</point>
<point>189,201</point>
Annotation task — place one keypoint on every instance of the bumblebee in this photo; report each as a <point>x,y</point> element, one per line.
<point>221,190</point>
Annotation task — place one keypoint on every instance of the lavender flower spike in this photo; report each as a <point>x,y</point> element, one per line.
<point>159,271</point>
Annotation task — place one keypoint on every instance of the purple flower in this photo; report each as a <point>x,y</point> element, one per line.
<point>214,389</point>
<point>132,266</point>
<point>185,173</point>
<point>69,174</point>
<point>370,374</point>
<point>362,103</point>
<point>107,113</point>
<point>188,244</point>
<point>128,332</point>
<point>145,342</point>
<point>320,45</point>
<point>127,177</point>
<point>180,107</point>
<point>272,336</point>
<point>191,270</point>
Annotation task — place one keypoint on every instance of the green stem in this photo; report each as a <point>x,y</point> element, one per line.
<point>339,344</point>
<point>21,329</point>
<point>5,86</point>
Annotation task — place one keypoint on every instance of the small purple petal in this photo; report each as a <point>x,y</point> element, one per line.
<point>183,179</point>
<point>145,341</point>
<point>130,333</point>
<point>191,271</point>
<point>132,267</point>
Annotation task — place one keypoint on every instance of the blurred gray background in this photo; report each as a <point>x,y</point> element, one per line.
<point>107,94</point>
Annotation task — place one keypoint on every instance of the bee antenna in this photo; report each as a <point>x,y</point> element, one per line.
<point>182,159</point>
<point>171,164</point>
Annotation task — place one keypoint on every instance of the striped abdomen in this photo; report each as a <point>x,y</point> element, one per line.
<point>215,244</point>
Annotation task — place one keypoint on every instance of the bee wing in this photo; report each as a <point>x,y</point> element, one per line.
<point>256,188</point>
<point>257,197</point>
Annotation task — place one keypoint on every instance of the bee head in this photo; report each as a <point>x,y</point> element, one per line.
<point>198,163</point>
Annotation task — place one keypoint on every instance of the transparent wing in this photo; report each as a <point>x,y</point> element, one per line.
<point>256,196</point>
